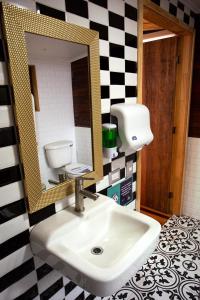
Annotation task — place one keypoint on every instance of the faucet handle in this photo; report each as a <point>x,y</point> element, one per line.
<point>79,180</point>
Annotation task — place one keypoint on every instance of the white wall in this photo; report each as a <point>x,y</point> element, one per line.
<point>83,145</point>
<point>191,192</point>
<point>55,120</point>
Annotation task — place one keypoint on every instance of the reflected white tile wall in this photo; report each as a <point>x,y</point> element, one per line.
<point>55,120</point>
<point>84,145</point>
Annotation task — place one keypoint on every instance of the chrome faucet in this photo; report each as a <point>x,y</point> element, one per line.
<point>61,178</point>
<point>80,193</point>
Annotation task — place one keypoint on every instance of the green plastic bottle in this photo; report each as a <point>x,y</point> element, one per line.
<point>109,133</point>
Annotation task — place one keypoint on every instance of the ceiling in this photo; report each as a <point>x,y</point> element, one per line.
<point>153,32</point>
<point>42,46</point>
<point>149,26</point>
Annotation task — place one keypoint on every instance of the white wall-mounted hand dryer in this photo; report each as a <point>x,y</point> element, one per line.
<point>133,125</point>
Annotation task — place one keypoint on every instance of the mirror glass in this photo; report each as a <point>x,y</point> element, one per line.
<point>60,84</point>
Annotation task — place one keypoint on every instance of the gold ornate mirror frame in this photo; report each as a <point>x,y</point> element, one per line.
<point>16,22</point>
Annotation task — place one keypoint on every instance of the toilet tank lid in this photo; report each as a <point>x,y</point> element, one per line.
<point>58,144</point>
<point>109,125</point>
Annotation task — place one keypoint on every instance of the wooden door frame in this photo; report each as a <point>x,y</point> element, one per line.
<point>186,36</point>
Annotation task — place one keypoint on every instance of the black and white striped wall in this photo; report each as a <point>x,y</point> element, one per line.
<point>23,276</point>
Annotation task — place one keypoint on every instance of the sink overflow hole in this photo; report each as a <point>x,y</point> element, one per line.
<point>97,250</point>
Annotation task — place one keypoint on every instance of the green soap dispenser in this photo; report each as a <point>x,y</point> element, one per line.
<point>109,132</point>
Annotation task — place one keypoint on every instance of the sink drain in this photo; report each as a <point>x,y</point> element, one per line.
<point>97,250</point>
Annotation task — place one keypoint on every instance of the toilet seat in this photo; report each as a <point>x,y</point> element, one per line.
<point>76,169</point>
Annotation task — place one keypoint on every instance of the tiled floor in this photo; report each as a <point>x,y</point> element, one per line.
<point>173,270</point>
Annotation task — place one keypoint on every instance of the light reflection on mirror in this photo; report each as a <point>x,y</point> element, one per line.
<point>64,113</point>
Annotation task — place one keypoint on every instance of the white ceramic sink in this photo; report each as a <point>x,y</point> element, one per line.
<point>66,242</point>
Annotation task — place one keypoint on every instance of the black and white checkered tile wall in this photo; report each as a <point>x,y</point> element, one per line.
<point>21,275</point>
<point>177,9</point>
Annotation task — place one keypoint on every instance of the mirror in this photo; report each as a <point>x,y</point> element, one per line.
<point>63,107</point>
<point>33,40</point>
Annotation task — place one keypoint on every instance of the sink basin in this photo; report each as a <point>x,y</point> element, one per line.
<point>99,249</point>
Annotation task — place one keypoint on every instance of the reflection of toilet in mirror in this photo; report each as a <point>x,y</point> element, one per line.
<point>59,156</point>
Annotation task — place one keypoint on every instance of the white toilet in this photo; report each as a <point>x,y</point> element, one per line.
<point>59,156</point>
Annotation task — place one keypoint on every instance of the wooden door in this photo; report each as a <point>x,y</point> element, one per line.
<point>159,73</point>
<point>81,92</point>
